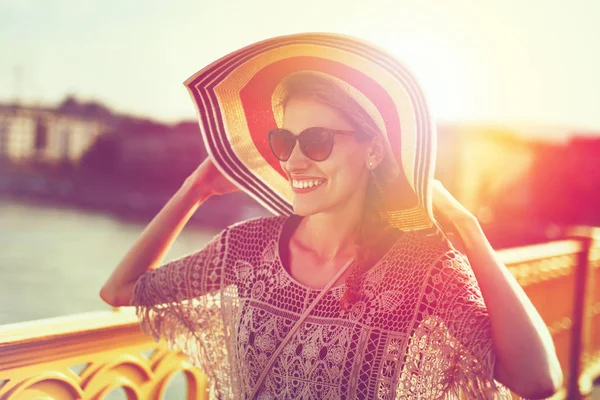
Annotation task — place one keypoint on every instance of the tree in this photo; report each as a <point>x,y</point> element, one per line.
<point>101,157</point>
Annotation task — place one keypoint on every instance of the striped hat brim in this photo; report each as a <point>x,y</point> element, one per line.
<point>237,100</point>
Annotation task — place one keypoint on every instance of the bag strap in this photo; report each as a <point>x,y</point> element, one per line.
<point>292,331</point>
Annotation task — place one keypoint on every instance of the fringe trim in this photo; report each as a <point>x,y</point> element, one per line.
<point>168,322</point>
<point>478,388</point>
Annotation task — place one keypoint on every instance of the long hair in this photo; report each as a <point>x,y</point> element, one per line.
<point>373,229</point>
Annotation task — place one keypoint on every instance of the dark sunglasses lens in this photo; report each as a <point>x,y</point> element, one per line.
<point>282,143</point>
<point>316,143</point>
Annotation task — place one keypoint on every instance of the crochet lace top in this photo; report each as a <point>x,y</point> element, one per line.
<point>418,330</point>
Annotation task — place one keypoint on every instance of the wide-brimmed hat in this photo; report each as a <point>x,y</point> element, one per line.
<point>238,98</point>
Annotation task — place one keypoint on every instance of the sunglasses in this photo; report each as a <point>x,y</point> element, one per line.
<point>315,143</point>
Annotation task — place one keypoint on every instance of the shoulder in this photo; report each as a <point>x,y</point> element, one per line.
<point>453,271</point>
<point>251,243</point>
<point>411,259</point>
<point>445,264</point>
<point>423,247</point>
<point>257,229</point>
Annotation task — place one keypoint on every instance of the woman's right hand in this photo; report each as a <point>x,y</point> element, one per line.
<point>208,181</point>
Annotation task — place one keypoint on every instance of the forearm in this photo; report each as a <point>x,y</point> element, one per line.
<point>150,248</point>
<point>526,359</point>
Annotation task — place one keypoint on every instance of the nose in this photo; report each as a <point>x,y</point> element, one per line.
<point>297,161</point>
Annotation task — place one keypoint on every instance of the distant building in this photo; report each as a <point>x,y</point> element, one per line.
<point>51,135</point>
<point>566,181</point>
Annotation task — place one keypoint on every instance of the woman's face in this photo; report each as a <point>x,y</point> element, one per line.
<point>340,179</point>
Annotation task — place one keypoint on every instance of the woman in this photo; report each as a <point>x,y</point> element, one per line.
<point>353,291</point>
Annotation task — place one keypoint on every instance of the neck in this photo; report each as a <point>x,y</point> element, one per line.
<point>331,234</point>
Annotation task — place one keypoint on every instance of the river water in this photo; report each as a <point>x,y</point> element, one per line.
<point>54,260</point>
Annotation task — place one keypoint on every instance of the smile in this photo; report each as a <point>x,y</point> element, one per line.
<point>306,185</point>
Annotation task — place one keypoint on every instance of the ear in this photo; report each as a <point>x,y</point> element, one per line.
<point>375,152</point>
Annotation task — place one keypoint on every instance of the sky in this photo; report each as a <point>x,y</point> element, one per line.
<point>533,62</point>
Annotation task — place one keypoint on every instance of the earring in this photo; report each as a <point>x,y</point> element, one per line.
<point>370,164</point>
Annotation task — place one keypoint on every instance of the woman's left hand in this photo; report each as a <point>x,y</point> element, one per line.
<point>526,360</point>
<point>445,204</point>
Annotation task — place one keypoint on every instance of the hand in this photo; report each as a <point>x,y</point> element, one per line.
<point>449,208</point>
<point>207,180</point>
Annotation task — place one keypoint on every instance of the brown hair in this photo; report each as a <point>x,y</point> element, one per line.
<point>373,229</point>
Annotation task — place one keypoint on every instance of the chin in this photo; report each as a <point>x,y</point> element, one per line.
<point>306,211</point>
<point>306,208</point>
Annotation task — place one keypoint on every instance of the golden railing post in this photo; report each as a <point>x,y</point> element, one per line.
<point>546,272</point>
<point>582,312</point>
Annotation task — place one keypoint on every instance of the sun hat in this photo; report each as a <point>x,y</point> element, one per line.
<point>238,100</point>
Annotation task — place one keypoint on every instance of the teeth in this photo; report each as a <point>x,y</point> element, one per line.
<point>305,184</point>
